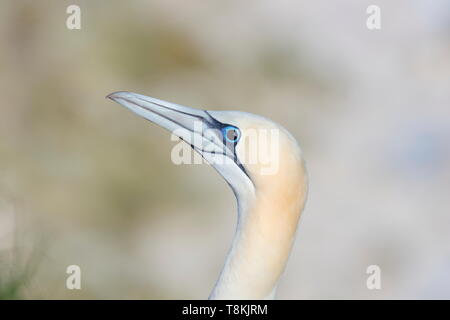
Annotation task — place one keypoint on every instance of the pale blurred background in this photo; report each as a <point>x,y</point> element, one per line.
<point>84,181</point>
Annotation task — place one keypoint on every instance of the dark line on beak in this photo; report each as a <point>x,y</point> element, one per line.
<point>163,106</point>
<point>210,121</point>
<point>171,120</point>
<point>157,113</point>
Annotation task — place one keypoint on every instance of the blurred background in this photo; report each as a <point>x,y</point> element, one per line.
<point>84,181</point>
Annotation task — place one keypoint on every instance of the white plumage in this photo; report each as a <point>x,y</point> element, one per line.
<point>267,176</point>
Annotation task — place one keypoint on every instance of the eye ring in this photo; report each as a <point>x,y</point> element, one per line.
<point>231,134</point>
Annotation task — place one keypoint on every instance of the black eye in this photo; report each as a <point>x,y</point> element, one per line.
<point>232,134</point>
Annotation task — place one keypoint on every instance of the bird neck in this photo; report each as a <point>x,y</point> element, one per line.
<point>265,232</point>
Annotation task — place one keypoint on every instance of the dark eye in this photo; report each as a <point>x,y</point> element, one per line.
<point>232,134</point>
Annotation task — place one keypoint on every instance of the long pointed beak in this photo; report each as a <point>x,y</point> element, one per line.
<point>194,126</point>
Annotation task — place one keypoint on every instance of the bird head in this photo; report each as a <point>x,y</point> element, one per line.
<point>252,153</point>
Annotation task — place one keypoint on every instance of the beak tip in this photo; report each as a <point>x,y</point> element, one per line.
<point>113,96</point>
